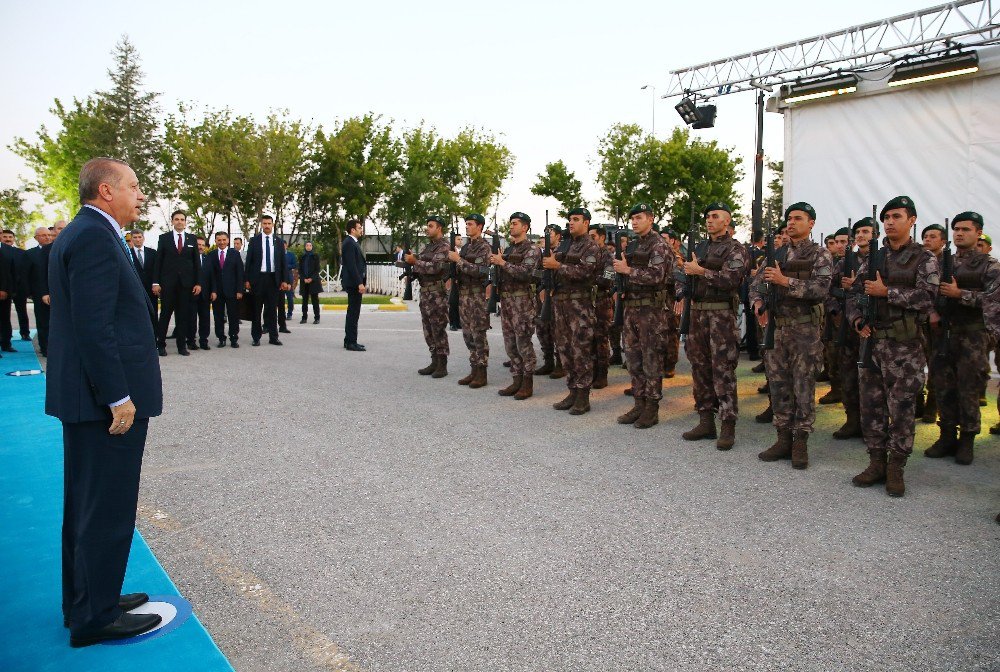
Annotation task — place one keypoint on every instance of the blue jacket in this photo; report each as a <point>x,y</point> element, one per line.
<point>101,343</point>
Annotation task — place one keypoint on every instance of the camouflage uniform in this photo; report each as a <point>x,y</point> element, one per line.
<point>431,268</point>
<point>604,312</point>
<point>544,330</point>
<point>473,270</point>
<point>961,365</point>
<point>713,341</point>
<point>798,350</point>
<point>519,306</point>
<point>573,310</point>
<point>848,353</point>
<point>645,318</point>
<point>831,351</point>
<point>889,389</point>
<point>671,327</point>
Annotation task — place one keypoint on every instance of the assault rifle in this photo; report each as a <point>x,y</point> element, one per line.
<point>770,292</point>
<point>869,304</point>
<point>493,306</point>
<point>453,272</point>
<point>943,302</point>
<point>849,264</point>
<point>545,315</point>
<point>685,325</point>
<point>407,273</point>
<point>621,281</point>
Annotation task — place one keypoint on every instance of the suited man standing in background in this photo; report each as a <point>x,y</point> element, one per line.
<point>103,382</point>
<point>200,326</point>
<point>353,278</point>
<point>223,280</point>
<point>145,262</point>
<point>175,281</point>
<point>13,257</point>
<point>265,273</point>
<point>36,272</point>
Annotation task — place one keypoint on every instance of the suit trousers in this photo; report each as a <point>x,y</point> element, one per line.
<point>6,331</point>
<point>314,297</point>
<point>42,325</point>
<point>353,312</point>
<point>227,308</point>
<point>21,306</point>
<point>265,297</point>
<point>101,491</point>
<point>201,319</point>
<point>176,301</point>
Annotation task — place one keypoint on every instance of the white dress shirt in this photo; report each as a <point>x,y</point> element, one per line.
<point>265,242</point>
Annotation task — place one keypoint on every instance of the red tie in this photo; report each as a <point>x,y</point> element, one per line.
<point>222,258</point>
<point>179,243</point>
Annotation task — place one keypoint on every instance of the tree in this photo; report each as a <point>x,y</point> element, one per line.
<point>14,216</point>
<point>620,172</point>
<point>483,165</point>
<point>121,123</point>
<point>560,183</point>
<point>774,202</point>
<point>706,173</point>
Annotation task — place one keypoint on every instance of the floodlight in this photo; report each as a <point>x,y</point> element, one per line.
<point>935,68</point>
<point>696,116</point>
<point>820,88</point>
<point>706,117</point>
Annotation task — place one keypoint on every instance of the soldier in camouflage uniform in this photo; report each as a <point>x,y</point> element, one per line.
<point>831,324</point>
<point>964,350</point>
<point>518,305</point>
<point>801,278</point>
<point>713,279</point>
<point>431,269</point>
<point>933,237</point>
<point>604,308</point>
<point>575,272</point>
<point>671,334</point>
<point>905,287</point>
<point>550,367</point>
<point>647,265</point>
<point>473,268</point>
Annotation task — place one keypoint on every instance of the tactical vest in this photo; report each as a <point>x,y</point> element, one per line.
<point>800,268</point>
<point>898,269</point>
<point>711,257</point>
<point>640,258</point>
<point>968,275</point>
<point>427,278</point>
<point>573,257</point>
<point>515,255</point>
<point>470,282</point>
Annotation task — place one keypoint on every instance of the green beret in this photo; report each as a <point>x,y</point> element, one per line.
<point>899,202</point>
<point>968,216</point>
<point>932,227</point>
<point>865,221</point>
<point>520,215</point>
<point>829,237</point>
<point>670,232</point>
<point>656,227</point>
<point>989,241</point>
<point>435,218</point>
<point>803,207</point>
<point>842,231</point>
<point>477,218</point>
<point>640,207</point>
<point>580,211</point>
<point>596,227</point>
<point>718,205</point>
<point>554,228</point>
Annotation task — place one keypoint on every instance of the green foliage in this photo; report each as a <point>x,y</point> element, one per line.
<point>774,201</point>
<point>15,217</point>
<point>620,174</point>
<point>560,183</point>
<point>425,184</point>
<point>483,165</point>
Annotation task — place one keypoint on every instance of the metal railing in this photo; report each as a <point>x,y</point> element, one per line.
<point>383,278</point>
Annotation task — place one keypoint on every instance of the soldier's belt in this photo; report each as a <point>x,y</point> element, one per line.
<point>789,321</point>
<point>967,328</point>
<point>648,299</point>
<point>467,290</point>
<point>711,305</point>
<point>563,295</point>
<point>902,330</point>
<point>433,286</point>
<point>518,292</point>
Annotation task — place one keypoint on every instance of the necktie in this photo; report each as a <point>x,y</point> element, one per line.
<point>267,254</point>
<point>222,258</point>
<point>138,253</point>
<point>180,239</point>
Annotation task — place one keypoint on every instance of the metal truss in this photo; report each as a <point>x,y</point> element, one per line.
<point>968,23</point>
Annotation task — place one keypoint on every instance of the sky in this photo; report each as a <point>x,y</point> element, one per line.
<point>547,78</point>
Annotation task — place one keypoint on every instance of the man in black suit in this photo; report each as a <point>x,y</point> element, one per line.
<point>265,273</point>
<point>103,382</point>
<point>200,326</point>
<point>353,278</point>
<point>223,279</point>
<point>145,262</point>
<point>175,281</point>
<point>13,257</point>
<point>36,267</point>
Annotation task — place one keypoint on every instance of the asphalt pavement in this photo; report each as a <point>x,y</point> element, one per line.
<point>331,510</point>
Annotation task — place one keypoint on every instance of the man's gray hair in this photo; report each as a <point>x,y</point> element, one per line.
<point>96,172</point>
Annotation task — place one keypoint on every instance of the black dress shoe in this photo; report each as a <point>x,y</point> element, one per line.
<point>8,348</point>
<point>25,337</point>
<point>256,342</point>
<point>316,321</point>
<point>284,330</point>
<point>125,626</point>
<point>354,347</point>
<point>130,601</point>
<point>183,351</point>
<point>222,343</point>
<point>303,320</point>
<point>204,345</point>
<point>192,345</point>
<point>235,345</point>
<point>274,341</point>
<point>162,351</point>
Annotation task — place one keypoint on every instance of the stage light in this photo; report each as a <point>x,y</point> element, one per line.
<point>696,116</point>
<point>936,68</point>
<point>706,114</point>
<point>822,88</point>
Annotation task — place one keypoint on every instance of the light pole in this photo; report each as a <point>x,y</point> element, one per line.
<point>650,86</point>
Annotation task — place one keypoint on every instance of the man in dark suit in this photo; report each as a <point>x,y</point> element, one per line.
<point>145,262</point>
<point>265,273</point>
<point>13,257</point>
<point>223,279</point>
<point>36,267</point>
<point>103,382</point>
<point>353,278</point>
<point>175,281</point>
<point>200,326</point>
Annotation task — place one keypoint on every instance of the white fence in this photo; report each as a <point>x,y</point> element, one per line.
<point>382,279</point>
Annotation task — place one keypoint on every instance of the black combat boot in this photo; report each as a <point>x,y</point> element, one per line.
<point>632,415</point>
<point>650,414</point>
<point>527,387</point>
<point>705,429</point>
<point>800,450</point>
<point>478,378</point>
<point>512,389</point>
<point>765,418</point>
<point>567,402</point>
<point>558,371</point>
<point>765,388</point>
<point>758,369</point>
<point>429,369</point>
<point>946,445</point>
<point>919,405</point>
<point>780,449</point>
<point>547,366</point>
<point>582,403</point>
<point>929,416</point>
<point>894,486</point>
<point>727,435</point>
<point>873,473</point>
<point>831,397</point>
<point>600,377</point>
<point>963,455</point>
<point>468,379</point>
<point>616,355</point>
<point>852,428</point>
<point>442,367</point>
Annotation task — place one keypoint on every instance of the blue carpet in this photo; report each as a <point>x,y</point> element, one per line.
<point>31,481</point>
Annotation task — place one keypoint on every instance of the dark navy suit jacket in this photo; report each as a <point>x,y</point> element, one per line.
<point>227,282</point>
<point>353,271</point>
<point>255,256</point>
<point>101,343</point>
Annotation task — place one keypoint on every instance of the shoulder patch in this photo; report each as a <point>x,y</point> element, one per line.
<point>591,259</point>
<point>934,278</point>
<point>658,259</point>
<point>735,264</point>
<point>480,261</point>
<point>824,271</point>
